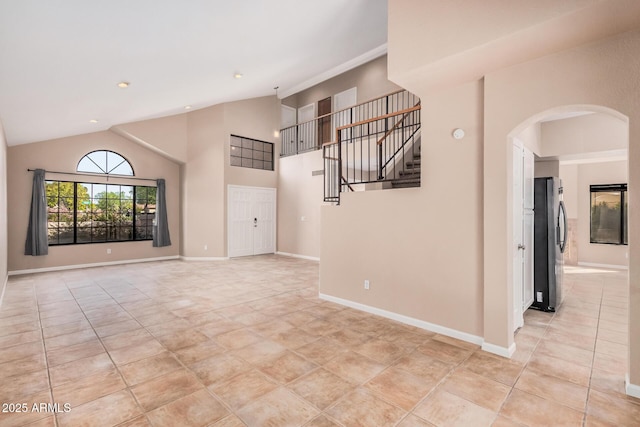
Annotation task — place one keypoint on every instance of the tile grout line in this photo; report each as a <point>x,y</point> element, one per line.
<point>46,358</point>
<point>595,345</point>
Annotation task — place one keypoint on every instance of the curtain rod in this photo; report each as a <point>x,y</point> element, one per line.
<point>97,175</point>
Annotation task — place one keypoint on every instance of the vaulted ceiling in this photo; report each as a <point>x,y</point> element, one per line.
<point>61,60</point>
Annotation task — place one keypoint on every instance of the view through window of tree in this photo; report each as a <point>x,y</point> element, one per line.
<point>609,209</point>
<point>83,212</point>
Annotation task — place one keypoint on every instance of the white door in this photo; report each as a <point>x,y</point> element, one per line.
<point>288,116</point>
<point>341,101</point>
<point>527,232</point>
<point>251,220</point>
<point>518,240</point>
<point>523,180</point>
<point>307,128</point>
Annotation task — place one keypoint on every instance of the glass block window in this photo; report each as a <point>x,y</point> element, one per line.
<point>251,153</point>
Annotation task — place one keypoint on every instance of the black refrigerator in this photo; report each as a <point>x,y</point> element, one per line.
<point>549,242</point>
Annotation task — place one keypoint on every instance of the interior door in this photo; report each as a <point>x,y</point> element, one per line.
<point>251,220</point>
<point>341,101</point>
<point>306,129</point>
<point>518,245</point>
<point>523,223</point>
<point>528,224</point>
<point>264,225</point>
<point>324,123</point>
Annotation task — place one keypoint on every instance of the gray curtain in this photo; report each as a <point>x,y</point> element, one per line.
<point>37,241</point>
<point>160,225</point>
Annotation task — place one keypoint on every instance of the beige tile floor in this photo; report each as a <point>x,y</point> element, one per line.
<point>247,342</point>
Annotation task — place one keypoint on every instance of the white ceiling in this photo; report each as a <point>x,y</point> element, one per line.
<point>60,60</point>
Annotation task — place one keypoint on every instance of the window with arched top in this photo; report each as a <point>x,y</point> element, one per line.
<point>105,162</point>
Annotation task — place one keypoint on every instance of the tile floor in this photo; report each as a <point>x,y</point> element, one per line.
<point>247,342</point>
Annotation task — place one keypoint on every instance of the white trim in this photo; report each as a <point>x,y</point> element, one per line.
<point>406,320</point>
<point>631,389</point>
<point>500,351</point>
<point>4,287</point>
<point>349,65</point>
<point>596,265</point>
<point>95,264</point>
<point>202,258</point>
<point>310,258</point>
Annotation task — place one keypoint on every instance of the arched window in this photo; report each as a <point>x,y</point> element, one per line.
<point>105,162</point>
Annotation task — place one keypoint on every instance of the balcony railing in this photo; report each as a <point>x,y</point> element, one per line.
<point>312,134</point>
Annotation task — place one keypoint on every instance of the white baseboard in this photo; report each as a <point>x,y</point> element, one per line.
<point>631,389</point>
<point>500,351</point>
<point>4,287</point>
<point>310,258</point>
<point>453,333</point>
<point>95,264</point>
<point>596,265</point>
<point>199,258</point>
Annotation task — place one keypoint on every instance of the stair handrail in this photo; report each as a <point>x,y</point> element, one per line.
<point>396,124</point>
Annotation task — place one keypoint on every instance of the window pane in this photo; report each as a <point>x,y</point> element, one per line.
<point>605,216</point>
<point>236,161</point>
<point>65,235</point>
<point>84,234</point>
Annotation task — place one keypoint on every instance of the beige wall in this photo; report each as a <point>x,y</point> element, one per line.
<point>63,155</point>
<point>589,174</point>
<point>370,79</point>
<point>573,77</point>
<point>202,191</point>
<point>207,172</point>
<point>166,135</point>
<point>591,133</point>
<point>3,210</point>
<point>257,118</point>
<point>300,196</point>
<point>435,44</point>
<point>421,248</point>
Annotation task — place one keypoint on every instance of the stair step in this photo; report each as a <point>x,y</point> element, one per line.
<point>410,172</point>
<point>414,163</point>
<point>406,183</point>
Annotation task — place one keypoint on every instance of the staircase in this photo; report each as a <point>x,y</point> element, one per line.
<point>410,176</point>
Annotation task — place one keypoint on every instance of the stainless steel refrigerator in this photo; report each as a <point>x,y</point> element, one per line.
<point>550,238</point>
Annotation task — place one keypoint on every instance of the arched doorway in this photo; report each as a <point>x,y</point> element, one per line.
<point>572,134</point>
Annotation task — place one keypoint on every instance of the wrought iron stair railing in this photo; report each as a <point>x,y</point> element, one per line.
<point>382,150</point>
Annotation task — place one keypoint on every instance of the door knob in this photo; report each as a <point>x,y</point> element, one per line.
<point>522,247</point>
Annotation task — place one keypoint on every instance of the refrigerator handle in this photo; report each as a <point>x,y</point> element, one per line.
<point>562,216</point>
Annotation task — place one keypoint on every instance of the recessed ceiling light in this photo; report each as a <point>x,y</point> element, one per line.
<point>187,107</point>
<point>93,121</point>
<point>123,85</point>
<point>237,76</point>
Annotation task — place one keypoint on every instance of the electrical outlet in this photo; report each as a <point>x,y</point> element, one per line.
<point>366,284</point>
<point>108,250</point>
